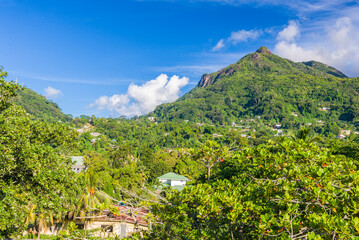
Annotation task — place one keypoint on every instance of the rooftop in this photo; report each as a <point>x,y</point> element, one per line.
<point>172,176</point>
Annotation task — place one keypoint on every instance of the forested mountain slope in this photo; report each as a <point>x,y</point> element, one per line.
<point>266,85</point>
<point>39,107</point>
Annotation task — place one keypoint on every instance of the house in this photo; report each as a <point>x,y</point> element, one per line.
<point>216,135</point>
<point>345,132</point>
<point>174,180</point>
<point>325,109</point>
<point>123,224</point>
<point>95,134</point>
<point>340,136</point>
<point>78,164</point>
<point>107,224</point>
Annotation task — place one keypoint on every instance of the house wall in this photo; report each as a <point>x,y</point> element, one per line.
<point>178,182</point>
<point>173,182</point>
<point>165,181</point>
<point>117,226</point>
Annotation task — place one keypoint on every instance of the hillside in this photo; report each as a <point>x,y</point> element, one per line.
<point>38,106</point>
<point>266,85</point>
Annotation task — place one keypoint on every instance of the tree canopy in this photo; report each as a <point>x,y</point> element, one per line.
<point>34,165</point>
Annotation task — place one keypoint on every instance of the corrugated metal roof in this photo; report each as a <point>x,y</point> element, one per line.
<point>126,214</point>
<point>172,176</point>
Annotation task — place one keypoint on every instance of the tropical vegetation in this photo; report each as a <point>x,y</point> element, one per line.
<point>270,148</point>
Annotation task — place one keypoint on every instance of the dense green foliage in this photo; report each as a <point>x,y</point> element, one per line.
<point>34,169</point>
<point>39,107</point>
<point>252,173</point>
<point>279,190</point>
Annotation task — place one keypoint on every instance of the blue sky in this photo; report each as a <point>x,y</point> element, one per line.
<point>112,58</point>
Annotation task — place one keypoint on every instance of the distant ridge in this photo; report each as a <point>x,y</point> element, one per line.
<point>325,68</point>
<point>39,107</point>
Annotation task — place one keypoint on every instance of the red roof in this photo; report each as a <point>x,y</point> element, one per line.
<point>126,214</point>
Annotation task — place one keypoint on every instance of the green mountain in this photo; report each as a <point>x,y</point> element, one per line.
<point>266,85</point>
<point>39,107</point>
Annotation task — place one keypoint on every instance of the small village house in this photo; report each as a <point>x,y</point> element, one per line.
<point>78,164</point>
<point>173,179</point>
<point>107,224</point>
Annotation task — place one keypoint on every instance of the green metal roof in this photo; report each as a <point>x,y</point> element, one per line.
<point>172,176</point>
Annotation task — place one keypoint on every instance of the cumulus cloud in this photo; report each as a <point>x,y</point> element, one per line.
<point>290,32</point>
<point>115,103</point>
<point>237,37</point>
<point>142,99</point>
<point>296,53</point>
<point>337,45</point>
<point>51,92</point>
<point>244,35</point>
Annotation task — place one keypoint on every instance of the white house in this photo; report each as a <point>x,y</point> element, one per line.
<point>173,179</point>
<point>78,164</point>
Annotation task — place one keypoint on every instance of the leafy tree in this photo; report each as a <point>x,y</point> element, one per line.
<point>33,165</point>
<point>304,135</point>
<point>209,154</point>
<point>280,190</point>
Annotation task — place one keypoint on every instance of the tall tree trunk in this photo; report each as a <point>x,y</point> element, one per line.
<point>39,229</point>
<point>209,173</point>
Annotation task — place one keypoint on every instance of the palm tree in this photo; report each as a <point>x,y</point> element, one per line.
<point>41,220</point>
<point>304,135</point>
<point>89,201</point>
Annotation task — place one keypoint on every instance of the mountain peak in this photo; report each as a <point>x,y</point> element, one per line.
<point>264,50</point>
<point>263,61</point>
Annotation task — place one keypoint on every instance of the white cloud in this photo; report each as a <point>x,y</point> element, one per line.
<point>296,53</point>
<point>336,45</point>
<point>237,37</point>
<point>290,32</point>
<point>244,35</point>
<point>101,81</point>
<point>301,6</point>
<point>142,99</point>
<point>192,70</point>
<point>219,45</point>
<point>51,92</point>
<point>115,103</point>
